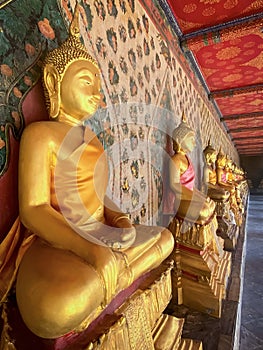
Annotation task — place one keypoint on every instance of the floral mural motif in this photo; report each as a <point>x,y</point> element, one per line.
<point>22,46</point>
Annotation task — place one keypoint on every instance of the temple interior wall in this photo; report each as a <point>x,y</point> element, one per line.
<point>146,86</point>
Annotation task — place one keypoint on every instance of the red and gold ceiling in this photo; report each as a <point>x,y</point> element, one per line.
<point>224,41</point>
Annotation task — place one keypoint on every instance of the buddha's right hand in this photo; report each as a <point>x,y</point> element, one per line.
<point>119,237</point>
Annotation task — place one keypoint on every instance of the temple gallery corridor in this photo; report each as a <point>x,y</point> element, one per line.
<point>251,336</point>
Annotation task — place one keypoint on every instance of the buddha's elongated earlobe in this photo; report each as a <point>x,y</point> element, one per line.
<point>52,83</point>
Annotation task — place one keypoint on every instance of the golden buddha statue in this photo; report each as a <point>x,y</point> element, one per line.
<point>214,191</point>
<point>199,254</point>
<point>225,181</point>
<point>221,171</point>
<point>190,203</point>
<point>231,178</point>
<point>85,249</point>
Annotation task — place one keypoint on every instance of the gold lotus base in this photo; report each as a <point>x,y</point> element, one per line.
<point>202,267</point>
<point>139,323</point>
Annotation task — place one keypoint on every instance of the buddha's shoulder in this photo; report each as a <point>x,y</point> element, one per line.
<point>44,130</point>
<point>179,158</point>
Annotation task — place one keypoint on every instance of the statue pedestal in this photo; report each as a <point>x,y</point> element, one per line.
<point>227,228</point>
<point>138,323</point>
<point>205,267</point>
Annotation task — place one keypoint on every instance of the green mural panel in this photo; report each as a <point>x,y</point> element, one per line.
<point>27,30</point>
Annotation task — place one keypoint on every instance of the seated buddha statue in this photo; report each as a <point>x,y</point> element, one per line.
<point>85,249</point>
<point>225,181</point>
<point>222,174</point>
<point>190,203</point>
<point>231,178</point>
<point>214,191</point>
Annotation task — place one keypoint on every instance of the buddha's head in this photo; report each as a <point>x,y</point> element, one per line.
<point>229,163</point>
<point>210,154</point>
<point>221,159</point>
<point>71,78</point>
<point>183,137</point>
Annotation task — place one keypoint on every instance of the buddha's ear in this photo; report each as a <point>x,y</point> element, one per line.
<point>52,83</point>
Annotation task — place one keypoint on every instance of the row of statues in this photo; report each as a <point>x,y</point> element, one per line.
<point>223,180</point>
<point>206,223</point>
<point>84,250</point>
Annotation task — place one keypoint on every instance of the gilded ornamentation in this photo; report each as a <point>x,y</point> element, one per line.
<point>138,323</point>
<point>229,4</point>
<point>189,8</point>
<point>249,44</point>
<point>228,53</point>
<point>232,77</point>
<point>255,5</point>
<point>210,2</point>
<point>6,343</point>
<point>257,102</point>
<point>256,62</point>
<point>210,11</point>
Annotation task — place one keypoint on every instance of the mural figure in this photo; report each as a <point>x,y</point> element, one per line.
<point>112,9</point>
<point>102,51</point>
<point>100,9</point>
<point>131,29</point>
<point>112,39</point>
<point>122,33</point>
<point>113,74</point>
<point>132,58</point>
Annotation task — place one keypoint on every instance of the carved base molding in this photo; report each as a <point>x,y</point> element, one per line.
<point>228,229</point>
<point>139,323</point>
<point>205,267</point>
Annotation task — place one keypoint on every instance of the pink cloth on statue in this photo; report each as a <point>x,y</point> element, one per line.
<point>223,177</point>
<point>187,179</point>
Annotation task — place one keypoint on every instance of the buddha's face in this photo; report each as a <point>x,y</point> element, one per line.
<point>80,89</point>
<point>188,143</point>
<point>213,157</point>
<point>221,161</point>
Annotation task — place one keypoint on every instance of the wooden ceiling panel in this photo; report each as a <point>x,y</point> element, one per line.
<point>232,64</point>
<point>247,133</point>
<point>223,39</point>
<point>193,15</point>
<point>245,123</point>
<point>240,104</point>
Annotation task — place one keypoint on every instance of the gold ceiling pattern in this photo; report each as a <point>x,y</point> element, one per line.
<point>223,39</point>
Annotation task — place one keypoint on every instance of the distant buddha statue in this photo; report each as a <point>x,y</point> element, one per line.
<point>222,174</point>
<point>214,191</point>
<point>85,249</point>
<point>190,203</point>
<point>225,181</point>
<point>231,178</point>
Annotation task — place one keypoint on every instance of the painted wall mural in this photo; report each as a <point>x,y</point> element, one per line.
<point>27,30</point>
<point>145,89</point>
